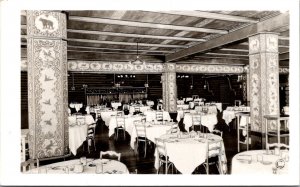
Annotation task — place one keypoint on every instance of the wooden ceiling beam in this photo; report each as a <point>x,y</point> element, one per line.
<point>115,49</point>
<point>119,34</point>
<point>210,15</point>
<point>111,58</point>
<point>266,25</point>
<point>114,52</point>
<point>145,24</point>
<point>284,56</point>
<point>125,43</point>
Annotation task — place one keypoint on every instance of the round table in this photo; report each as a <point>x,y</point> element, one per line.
<point>187,153</point>
<point>109,167</point>
<point>249,162</point>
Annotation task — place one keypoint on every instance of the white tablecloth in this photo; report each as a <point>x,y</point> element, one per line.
<point>240,166</point>
<point>78,131</point>
<point>142,108</point>
<point>184,107</point>
<point>186,154</point>
<point>115,105</point>
<point>208,120</point>
<point>150,103</point>
<point>129,119</point>
<point>180,113</point>
<point>228,116</point>
<point>106,115</point>
<point>152,132</point>
<point>180,102</point>
<point>210,109</point>
<point>77,106</point>
<point>230,113</point>
<point>109,166</point>
<point>151,115</point>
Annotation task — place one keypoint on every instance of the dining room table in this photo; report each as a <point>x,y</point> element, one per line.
<point>152,131</point>
<point>105,114</point>
<point>78,125</point>
<point>207,120</point>
<point>183,106</point>
<point>115,105</point>
<point>210,109</point>
<point>129,123</point>
<point>76,166</point>
<point>151,115</point>
<point>141,107</point>
<point>230,113</point>
<point>188,150</point>
<point>260,162</point>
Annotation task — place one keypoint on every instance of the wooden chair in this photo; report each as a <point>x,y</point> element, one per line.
<point>215,151</point>
<point>30,164</point>
<point>159,116</point>
<point>279,146</point>
<point>91,136</point>
<point>196,121</point>
<point>246,128</point>
<point>162,155</point>
<point>217,132</point>
<point>137,110</point>
<point>141,135</point>
<point>120,127</point>
<point>276,127</point>
<point>110,154</point>
<point>24,150</point>
<point>174,128</point>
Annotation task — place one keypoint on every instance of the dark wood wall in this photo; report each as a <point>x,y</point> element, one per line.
<point>107,80</point>
<point>217,88</point>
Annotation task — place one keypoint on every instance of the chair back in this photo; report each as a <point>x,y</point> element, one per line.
<point>140,129</point>
<point>137,109</point>
<point>174,128</point>
<point>278,146</point>
<point>159,107</point>
<point>120,121</point>
<point>159,115</point>
<point>214,148</point>
<point>217,132</point>
<point>80,120</point>
<point>120,113</point>
<point>161,147</point>
<point>91,130</point>
<point>110,154</point>
<point>196,119</point>
<point>30,164</point>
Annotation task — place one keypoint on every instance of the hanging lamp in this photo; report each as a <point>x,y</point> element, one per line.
<point>137,61</point>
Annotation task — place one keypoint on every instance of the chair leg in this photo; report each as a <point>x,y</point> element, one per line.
<point>145,149</point>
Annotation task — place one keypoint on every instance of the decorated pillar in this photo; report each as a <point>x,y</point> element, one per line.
<point>47,84</point>
<point>264,78</point>
<point>169,88</point>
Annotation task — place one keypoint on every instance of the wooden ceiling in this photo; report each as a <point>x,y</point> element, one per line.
<point>168,36</point>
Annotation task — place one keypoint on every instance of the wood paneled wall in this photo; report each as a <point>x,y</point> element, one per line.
<point>219,88</point>
<point>217,84</point>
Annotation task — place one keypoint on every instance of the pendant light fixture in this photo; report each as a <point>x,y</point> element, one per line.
<point>73,87</point>
<point>146,84</point>
<point>192,85</point>
<point>137,61</point>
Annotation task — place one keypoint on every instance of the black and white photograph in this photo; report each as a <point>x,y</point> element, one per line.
<point>182,94</point>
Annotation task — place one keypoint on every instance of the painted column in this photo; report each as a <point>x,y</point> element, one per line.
<point>169,88</point>
<point>47,84</point>
<point>264,78</point>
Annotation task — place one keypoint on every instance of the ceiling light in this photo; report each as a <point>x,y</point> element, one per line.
<point>137,61</point>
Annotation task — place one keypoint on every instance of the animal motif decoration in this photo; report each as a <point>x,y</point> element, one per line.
<point>47,102</point>
<point>48,78</point>
<point>48,122</point>
<point>47,24</point>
